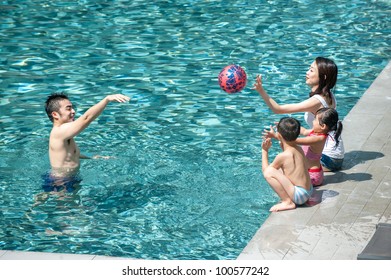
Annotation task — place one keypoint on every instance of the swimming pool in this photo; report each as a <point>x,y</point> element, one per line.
<point>185,180</point>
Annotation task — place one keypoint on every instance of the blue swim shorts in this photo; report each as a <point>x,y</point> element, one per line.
<point>333,164</point>
<point>55,184</point>
<point>301,195</point>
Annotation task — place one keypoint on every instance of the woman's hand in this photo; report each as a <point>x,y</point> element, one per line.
<point>258,84</point>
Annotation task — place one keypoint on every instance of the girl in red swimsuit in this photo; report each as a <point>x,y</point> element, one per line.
<point>326,120</point>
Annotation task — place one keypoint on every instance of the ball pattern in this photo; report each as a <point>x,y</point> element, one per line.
<point>232,78</point>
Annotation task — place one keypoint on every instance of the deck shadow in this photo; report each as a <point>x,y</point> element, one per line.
<point>352,158</point>
<point>319,196</point>
<point>340,176</point>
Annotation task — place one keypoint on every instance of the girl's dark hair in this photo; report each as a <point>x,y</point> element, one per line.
<point>289,128</point>
<point>329,117</point>
<point>52,103</point>
<point>328,72</point>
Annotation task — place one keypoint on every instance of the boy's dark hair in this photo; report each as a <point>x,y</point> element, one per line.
<point>289,128</point>
<point>52,103</point>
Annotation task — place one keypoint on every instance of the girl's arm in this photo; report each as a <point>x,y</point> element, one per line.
<point>269,133</point>
<point>304,131</point>
<point>309,140</point>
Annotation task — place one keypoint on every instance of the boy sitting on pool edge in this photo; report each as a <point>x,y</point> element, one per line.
<point>288,173</point>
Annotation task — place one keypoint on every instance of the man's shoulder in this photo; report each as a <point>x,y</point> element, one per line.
<point>57,131</point>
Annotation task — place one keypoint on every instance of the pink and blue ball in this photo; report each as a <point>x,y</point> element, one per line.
<point>232,78</point>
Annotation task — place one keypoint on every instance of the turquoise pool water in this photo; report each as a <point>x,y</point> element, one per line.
<point>185,180</point>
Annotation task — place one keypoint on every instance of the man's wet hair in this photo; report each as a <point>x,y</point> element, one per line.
<point>52,103</point>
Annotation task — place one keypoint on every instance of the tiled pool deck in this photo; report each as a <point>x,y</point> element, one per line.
<point>343,213</point>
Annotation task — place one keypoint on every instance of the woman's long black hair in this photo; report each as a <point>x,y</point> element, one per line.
<point>328,72</point>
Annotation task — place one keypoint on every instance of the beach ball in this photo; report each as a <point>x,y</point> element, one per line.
<point>232,78</point>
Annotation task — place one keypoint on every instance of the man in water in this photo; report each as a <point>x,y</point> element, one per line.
<point>64,153</point>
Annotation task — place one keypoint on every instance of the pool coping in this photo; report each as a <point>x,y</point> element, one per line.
<point>343,213</point>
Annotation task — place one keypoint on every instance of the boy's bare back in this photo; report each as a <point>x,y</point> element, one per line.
<point>294,166</point>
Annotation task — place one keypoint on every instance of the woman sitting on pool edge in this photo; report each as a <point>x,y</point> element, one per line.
<point>321,78</point>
